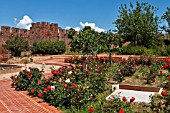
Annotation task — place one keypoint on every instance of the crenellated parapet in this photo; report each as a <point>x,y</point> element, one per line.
<point>39,31</point>
<point>5,31</point>
<point>44,29</point>
<point>15,31</point>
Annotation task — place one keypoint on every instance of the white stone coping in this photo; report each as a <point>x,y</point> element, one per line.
<point>140,96</point>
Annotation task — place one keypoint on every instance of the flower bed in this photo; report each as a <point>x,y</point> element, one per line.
<point>84,86</point>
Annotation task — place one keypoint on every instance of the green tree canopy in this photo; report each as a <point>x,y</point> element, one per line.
<point>16,45</point>
<point>71,33</point>
<point>138,24</point>
<point>166,16</point>
<point>85,41</point>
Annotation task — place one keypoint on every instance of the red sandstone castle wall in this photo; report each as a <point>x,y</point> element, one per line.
<point>38,32</point>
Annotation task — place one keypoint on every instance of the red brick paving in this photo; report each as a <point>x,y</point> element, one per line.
<point>12,101</point>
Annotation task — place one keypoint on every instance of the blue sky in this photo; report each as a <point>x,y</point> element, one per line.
<point>68,13</point>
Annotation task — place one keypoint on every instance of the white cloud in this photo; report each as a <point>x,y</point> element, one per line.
<point>24,23</point>
<point>28,26</point>
<point>68,27</point>
<point>93,26</point>
<point>76,28</point>
<point>15,20</point>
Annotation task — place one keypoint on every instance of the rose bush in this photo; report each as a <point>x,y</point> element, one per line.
<point>68,86</point>
<point>25,78</point>
<point>80,84</point>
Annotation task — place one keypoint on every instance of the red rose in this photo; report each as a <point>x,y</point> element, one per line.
<point>163,93</point>
<point>55,72</point>
<point>45,90</point>
<point>52,71</point>
<point>161,73</point>
<point>165,65</point>
<point>46,81</point>
<point>74,85</point>
<point>65,85</point>
<point>63,67</point>
<point>124,99</point>
<point>49,87</point>
<point>69,68</point>
<point>121,111</point>
<point>90,72</point>
<point>162,67</point>
<point>30,76</point>
<point>32,91</point>
<point>169,77</point>
<point>147,79</point>
<point>40,95</point>
<point>91,109</point>
<point>152,73</point>
<point>132,99</point>
<point>39,82</point>
<point>89,67</point>
<point>136,67</point>
<point>99,67</point>
<point>167,60</point>
<point>153,80</point>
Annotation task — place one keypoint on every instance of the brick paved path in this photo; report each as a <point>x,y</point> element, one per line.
<point>12,101</point>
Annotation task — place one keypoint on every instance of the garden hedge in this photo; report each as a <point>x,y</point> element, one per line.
<point>49,47</point>
<point>139,50</point>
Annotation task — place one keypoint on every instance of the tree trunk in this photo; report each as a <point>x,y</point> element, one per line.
<point>110,58</point>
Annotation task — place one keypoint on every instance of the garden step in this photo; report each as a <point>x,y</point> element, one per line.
<point>12,101</point>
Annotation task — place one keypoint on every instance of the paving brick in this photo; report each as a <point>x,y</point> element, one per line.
<point>12,101</point>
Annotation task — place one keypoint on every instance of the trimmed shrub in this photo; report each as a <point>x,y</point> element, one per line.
<point>49,47</point>
<point>16,45</point>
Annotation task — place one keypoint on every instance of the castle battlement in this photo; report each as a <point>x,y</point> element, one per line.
<point>39,29</point>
